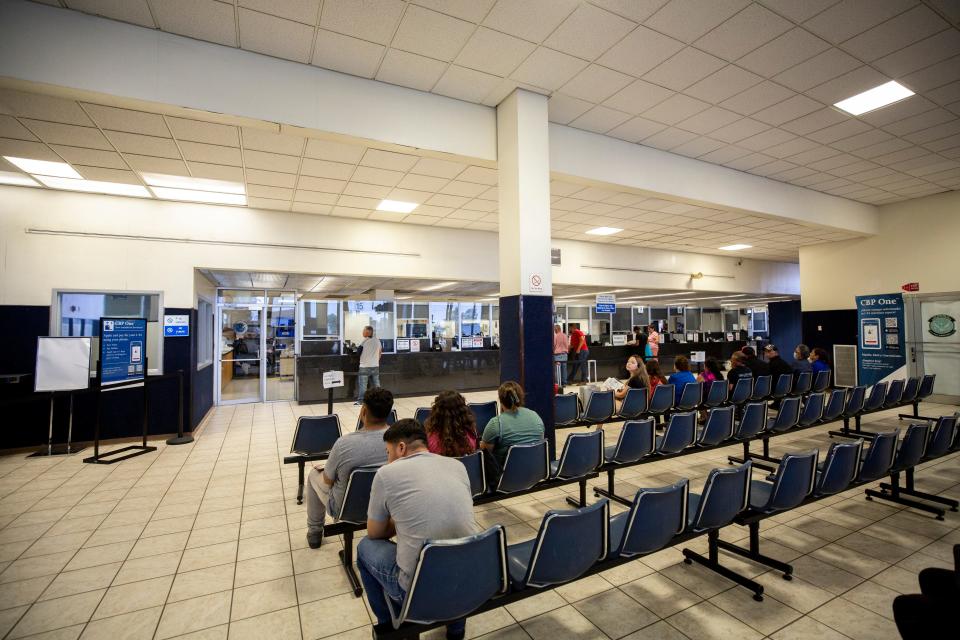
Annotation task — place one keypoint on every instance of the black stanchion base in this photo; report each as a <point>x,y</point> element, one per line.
<point>187,439</point>
<point>57,450</point>
<point>134,451</point>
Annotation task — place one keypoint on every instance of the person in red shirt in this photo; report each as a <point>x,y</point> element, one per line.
<point>579,351</point>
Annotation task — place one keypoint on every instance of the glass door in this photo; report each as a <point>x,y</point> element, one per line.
<point>280,332</point>
<point>240,353</point>
<point>934,343</point>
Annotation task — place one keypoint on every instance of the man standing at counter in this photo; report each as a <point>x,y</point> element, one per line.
<point>370,350</point>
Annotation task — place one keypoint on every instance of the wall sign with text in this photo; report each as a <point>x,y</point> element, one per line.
<point>881,349</point>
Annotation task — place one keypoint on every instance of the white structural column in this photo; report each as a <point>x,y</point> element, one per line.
<point>523,164</point>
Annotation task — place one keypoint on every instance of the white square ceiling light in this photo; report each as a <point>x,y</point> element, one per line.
<point>396,206</point>
<point>194,184</point>
<point>193,195</point>
<point>19,179</point>
<point>875,98</point>
<point>44,167</point>
<point>604,231</point>
<point>736,247</point>
<point>95,186</point>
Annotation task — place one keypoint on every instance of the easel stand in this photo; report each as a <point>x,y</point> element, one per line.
<point>62,449</point>
<point>110,457</point>
<point>180,438</point>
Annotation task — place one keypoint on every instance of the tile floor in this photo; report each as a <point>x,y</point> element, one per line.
<point>207,541</point>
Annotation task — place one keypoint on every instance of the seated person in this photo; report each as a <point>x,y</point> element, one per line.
<point>416,496</point>
<point>819,360</point>
<point>801,356</point>
<point>681,377</point>
<point>927,614</point>
<point>451,428</point>
<point>778,366</point>
<point>711,371</point>
<point>327,485</point>
<point>515,425</point>
<point>738,369</point>
<point>757,366</point>
<point>638,378</point>
<point>653,374</point>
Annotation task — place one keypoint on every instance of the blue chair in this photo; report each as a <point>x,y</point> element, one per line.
<point>835,405</point>
<point>439,592</point>
<point>313,439</point>
<point>878,459</point>
<point>855,403</point>
<point>752,422</point>
<point>422,414</point>
<point>787,417</point>
<point>910,390</point>
<point>912,448</point>
<point>719,427</point>
<point>924,391</point>
<point>782,387</point>
<point>839,468</point>
<point>716,394</point>
<point>761,388</point>
<point>476,471</point>
<point>637,439</point>
<point>894,393</point>
<point>812,409</point>
<point>803,383</point>
<point>525,466</point>
<point>356,500</point>
<point>654,518</point>
<point>634,404</point>
<point>484,412</point>
<point>792,483</point>
<point>821,381</point>
<point>567,545</point>
<point>599,409</point>
<point>741,391</point>
<point>941,438</point>
<point>725,494</point>
<point>566,410</point>
<point>662,400</point>
<point>690,397</point>
<point>875,400</point>
<point>680,433</point>
<point>582,454</point>
<point>391,420</point>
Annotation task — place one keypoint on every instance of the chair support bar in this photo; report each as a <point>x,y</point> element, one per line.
<point>893,492</point>
<point>712,562</point>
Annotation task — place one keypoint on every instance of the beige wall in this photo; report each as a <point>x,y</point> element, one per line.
<point>919,241</point>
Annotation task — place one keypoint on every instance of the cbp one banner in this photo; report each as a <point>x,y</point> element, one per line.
<point>881,351</point>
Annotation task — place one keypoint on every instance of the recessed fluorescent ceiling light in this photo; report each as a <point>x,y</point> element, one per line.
<point>12,177</point>
<point>44,167</point>
<point>396,206</point>
<point>736,247</point>
<point>95,186</point>
<point>438,286</point>
<point>660,295</point>
<point>197,184</point>
<point>192,195</point>
<point>875,98</point>
<point>604,231</point>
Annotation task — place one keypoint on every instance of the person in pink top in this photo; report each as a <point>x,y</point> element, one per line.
<point>653,342</point>
<point>561,344</point>
<point>451,428</point>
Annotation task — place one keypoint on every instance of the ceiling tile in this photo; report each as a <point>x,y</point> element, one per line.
<point>331,150</point>
<point>898,111</point>
<point>640,51</point>
<point>793,47</point>
<point>91,157</point>
<point>789,109</point>
<point>847,85</point>
<point>815,121</point>
<point>272,161</point>
<point>882,148</point>
<point>263,191</point>
<point>123,176</point>
<point>744,32</point>
<point>636,129</point>
<point>132,11</point>
<point>271,178</point>
<point>466,189</point>
<point>373,20</point>
<point>938,137</point>
<point>562,109</point>
<point>698,147</point>
<point>531,20</point>
<point>901,31</point>
<point>919,121</point>
<point>150,124</point>
<point>216,171</point>
<point>268,203</point>
<point>817,70</point>
<point>388,160</point>
<point>588,32</point>
<point>595,84</point>
<point>945,95</point>
<point>209,132</point>
<point>151,164</point>
<point>851,17</point>
<point>437,168</point>
<point>548,68</point>
<point>798,10</point>
<point>723,84</point>
<point>600,119</point>
<point>307,207</point>
<point>479,175</point>
<point>211,153</point>
<point>941,46</point>
<point>739,130</point>
<point>638,97</point>
<point>465,84</point>
<point>636,10</point>
<point>862,140</point>
<point>709,120</point>
<point>676,108</point>
<point>431,34</point>
<point>445,200</point>
<point>470,10</point>
<point>11,128</point>
<point>371,175</point>
<point>358,202</point>
<point>275,36</point>
<point>68,134</point>
<point>934,76</point>
<point>201,19</point>
<point>687,20</point>
<point>366,190</point>
<point>766,139</point>
<point>143,145</point>
<point>41,107</point>
<point>757,97</point>
<point>791,147</point>
<point>260,140</point>
<point>725,154</point>
<point>315,197</point>
<point>305,11</point>
<point>317,168</point>
<point>839,131</point>
<point>347,54</point>
<point>410,70</point>
<point>494,52</point>
<point>685,68</point>
<point>669,138</point>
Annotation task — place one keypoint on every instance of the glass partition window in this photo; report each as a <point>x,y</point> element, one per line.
<point>80,313</point>
<point>413,320</point>
<point>378,314</point>
<point>321,320</point>
<point>693,319</point>
<point>204,333</point>
<point>579,316</point>
<point>623,320</point>
<point>495,323</point>
<point>474,319</point>
<point>641,316</point>
<point>443,322</point>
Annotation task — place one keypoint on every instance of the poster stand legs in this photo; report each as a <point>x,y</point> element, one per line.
<point>131,451</point>
<point>62,449</point>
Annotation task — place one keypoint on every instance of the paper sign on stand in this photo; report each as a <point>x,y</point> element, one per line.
<point>415,346</point>
<point>698,356</point>
<point>332,379</point>
<point>403,344</point>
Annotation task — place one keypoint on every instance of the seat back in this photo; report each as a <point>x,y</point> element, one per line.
<point>719,427</point>
<point>634,404</point>
<point>391,419</point>
<point>599,408</point>
<point>812,409</point>
<point>835,405</point>
<point>803,383</point>
<point>438,591</point>
<point>716,394</point>
<point>926,386</point>
<point>655,517</point>
<point>910,390</point>
<point>941,437</point>
<point>483,412</point>
<point>524,466</point>
<point>894,393</point>
<point>741,391</point>
<point>690,397</point>
<point>789,414</point>
<point>582,453</point>
<point>566,410</point>
<point>637,439</point>
<point>568,543</point>
<point>912,447</point>
<point>821,381</point>
<point>662,399</point>
<point>725,494</point>
<point>753,420</point>
<point>858,396</point>
<point>877,395</point>
<point>839,468</point>
<point>783,386</point>
<point>879,457</point>
<point>421,415</point>
<point>476,472</point>
<point>793,481</point>
<point>356,497</point>
<point>315,434</point>
<point>762,388</point>
<point>680,433</point>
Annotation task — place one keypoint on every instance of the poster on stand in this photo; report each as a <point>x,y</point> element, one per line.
<point>122,350</point>
<point>880,350</point>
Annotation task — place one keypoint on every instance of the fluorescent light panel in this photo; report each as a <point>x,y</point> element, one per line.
<point>736,247</point>
<point>95,186</point>
<point>438,286</point>
<point>603,231</point>
<point>44,167</point>
<point>192,195</point>
<point>396,206</point>
<point>19,179</point>
<point>195,184</point>
<point>875,98</point>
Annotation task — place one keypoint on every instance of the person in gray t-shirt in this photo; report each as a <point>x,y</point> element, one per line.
<point>326,485</point>
<point>369,371</point>
<point>417,496</point>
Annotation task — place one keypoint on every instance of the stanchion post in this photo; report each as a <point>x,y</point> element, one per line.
<point>180,438</point>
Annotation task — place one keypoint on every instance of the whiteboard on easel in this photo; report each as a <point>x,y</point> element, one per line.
<point>63,364</point>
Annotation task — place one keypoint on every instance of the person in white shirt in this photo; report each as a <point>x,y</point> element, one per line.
<point>370,350</point>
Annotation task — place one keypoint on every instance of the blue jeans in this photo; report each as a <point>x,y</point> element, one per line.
<point>377,561</point>
<point>363,376</point>
<point>562,359</point>
<point>579,363</point>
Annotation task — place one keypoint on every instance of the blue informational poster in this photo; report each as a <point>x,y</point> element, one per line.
<point>881,350</point>
<point>122,349</point>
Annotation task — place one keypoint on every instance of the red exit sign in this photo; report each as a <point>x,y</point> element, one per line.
<point>911,286</point>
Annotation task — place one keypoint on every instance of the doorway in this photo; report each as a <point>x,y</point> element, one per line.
<point>934,341</point>
<point>257,343</point>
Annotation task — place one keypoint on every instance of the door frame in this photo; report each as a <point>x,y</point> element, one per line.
<point>915,329</point>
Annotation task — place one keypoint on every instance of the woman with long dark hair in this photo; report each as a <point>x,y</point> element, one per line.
<point>451,427</point>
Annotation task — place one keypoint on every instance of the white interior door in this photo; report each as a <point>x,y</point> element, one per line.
<point>938,346</point>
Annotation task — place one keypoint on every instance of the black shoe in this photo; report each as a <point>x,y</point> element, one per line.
<point>315,539</point>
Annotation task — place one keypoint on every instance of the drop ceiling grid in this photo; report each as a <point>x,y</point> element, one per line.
<point>699,99</point>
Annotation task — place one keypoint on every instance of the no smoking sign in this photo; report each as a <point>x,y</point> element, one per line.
<point>536,283</point>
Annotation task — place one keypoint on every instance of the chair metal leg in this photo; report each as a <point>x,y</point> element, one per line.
<point>346,559</point>
<point>893,492</point>
<point>610,493</point>
<point>916,413</point>
<point>746,454</point>
<point>765,456</point>
<point>583,496</point>
<point>300,468</point>
<point>753,553</point>
<point>713,563</point>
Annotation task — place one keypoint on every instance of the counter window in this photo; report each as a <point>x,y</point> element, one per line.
<point>474,319</point>
<point>413,320</point>
<point>321,320</point>
<point>378,314</point>
<point>443,323</point>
